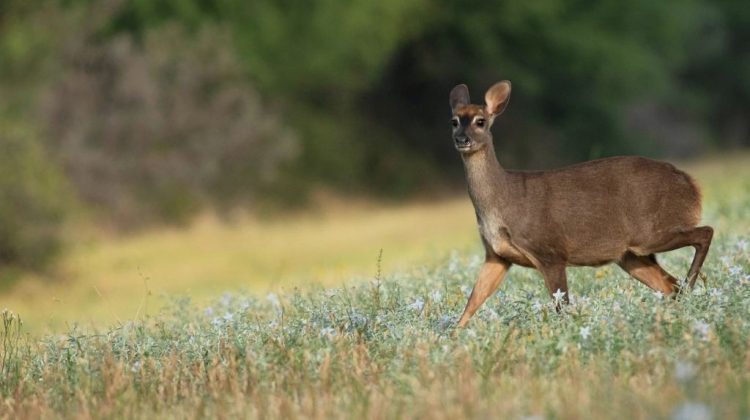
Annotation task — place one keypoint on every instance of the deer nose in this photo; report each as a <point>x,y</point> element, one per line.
<point>461,139</point>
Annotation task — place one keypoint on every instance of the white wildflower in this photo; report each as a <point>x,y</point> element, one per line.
<point>417,305</point>
<point>357,321</point>
<point>436,296</point>
<point>558,295</point>
<point>327,332</point>
<point>245,305</point>
<point>702,328</point>
<point>208,311</point>
<point>585,332</point>
<point>659,294</point>
<point>271,297</point>
<point>226,299</point>
<point>446,321</point>
<point>616,307</point>
<point>692,411</point>
<point>228,317</point>
<point>582,301</point>
<point>491,314</point>
<point>537,306</point>
<point>453,264</point>
<point>735,271</point>
<point>136,367</point>
<point>684,371</point>
<point>726,260</point>
<point>742,245</point>
<point>465,290</point>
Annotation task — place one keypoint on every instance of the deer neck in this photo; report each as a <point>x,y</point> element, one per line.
<point>488,181</point>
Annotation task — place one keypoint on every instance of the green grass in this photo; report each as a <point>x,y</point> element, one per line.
<point>384,346</point>
<point>384,349</point>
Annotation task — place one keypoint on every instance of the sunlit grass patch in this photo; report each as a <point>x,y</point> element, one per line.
<point>115,280</point>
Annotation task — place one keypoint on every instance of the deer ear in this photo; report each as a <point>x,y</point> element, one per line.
<point>459,96</point>
<point>497,97</point>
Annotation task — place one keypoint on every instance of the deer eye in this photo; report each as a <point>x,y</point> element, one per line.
<point>454,122</point>
<point>480,122</point>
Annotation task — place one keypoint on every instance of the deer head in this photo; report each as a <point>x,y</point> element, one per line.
<point>472,123</point>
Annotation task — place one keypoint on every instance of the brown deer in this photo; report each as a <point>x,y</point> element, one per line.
<point>618,209</point>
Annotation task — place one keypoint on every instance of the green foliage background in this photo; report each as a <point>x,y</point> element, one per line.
<point>356,91</point>
<point>33,203</point>
<point>371,76</point>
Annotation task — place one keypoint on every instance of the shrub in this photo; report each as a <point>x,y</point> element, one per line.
<point>154,129</point>
<point>34,200</point>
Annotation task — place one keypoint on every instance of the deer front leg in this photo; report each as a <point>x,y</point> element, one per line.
<point>491,275</point>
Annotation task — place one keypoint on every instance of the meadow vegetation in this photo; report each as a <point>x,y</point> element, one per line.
<point>153,153</point>
<point>386,347</point>
<point>105,279</point>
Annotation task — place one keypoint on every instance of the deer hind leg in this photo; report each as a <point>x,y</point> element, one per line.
<point>646,270</point>
<point>699,238</point>
<point>556,281</point>
<point>703,237</point>
<point>490,276</point>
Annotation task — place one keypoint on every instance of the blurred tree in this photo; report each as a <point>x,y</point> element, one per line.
<point>576,67</point>
<point>718,72</point>
<point>362,84</point>
<point>155,132</point>
<point>325,51</point>
<point>592,78</point>
<point>34,200</point>
<point>313,60</point>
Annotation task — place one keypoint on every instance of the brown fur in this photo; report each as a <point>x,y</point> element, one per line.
<point>619,209</point>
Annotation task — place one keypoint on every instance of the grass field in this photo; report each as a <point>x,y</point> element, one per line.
<point>106,281</point>
<point>381,346</point>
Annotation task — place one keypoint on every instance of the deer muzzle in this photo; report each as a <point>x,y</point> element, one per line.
<point>462,142</point>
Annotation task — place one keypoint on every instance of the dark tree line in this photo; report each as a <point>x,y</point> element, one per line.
<point>148,111</point>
